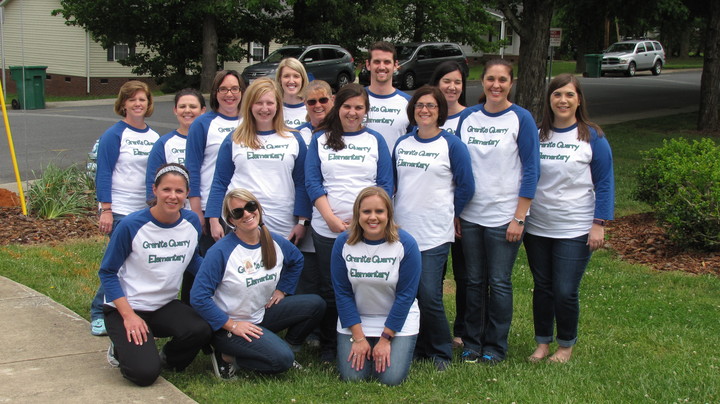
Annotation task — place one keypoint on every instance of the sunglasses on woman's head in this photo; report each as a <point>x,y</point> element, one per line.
<point>321,100</point>
<point>249,207</point>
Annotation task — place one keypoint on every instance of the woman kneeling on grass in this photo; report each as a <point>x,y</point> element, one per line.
<point>375,272</point>
<point>141,273</point>
<point>242,290</point>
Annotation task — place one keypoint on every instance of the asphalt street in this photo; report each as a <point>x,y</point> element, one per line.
<point>64,132</point>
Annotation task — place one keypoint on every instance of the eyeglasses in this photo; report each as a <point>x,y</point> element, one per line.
<point>238,213</point>
<point>430,106</point>
<point>321,100</point>
<point>225,90</point>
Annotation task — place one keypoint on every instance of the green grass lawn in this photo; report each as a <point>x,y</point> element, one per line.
<point>645,336</point>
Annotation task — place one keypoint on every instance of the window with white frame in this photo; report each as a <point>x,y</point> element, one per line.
<point>257,52</point>
<point>119,52</point>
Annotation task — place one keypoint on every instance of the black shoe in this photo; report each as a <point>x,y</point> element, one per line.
<point>470,356</point>
<point>223,370</point>
<point>328,356</point>
<point>490,359</point>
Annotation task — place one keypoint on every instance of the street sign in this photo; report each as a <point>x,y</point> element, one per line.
<point>555,36</point>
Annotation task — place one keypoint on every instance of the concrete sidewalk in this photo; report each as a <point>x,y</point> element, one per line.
<point>48,355</point>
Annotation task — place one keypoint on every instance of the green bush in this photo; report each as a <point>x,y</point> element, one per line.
<point>60,192</point>
<point>681,181</point>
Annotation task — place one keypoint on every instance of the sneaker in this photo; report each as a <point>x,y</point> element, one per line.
<point>223,370</point>
<point>470,356</point>
<point>490,360</point>
<point>442,365</point>
<point>297,365</point>
<point>112,360</point>
<point>97,327</point>
<point>328,356</point>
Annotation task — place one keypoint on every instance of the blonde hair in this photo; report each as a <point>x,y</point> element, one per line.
<point>294,64</point>
<point>246,133</point>
<point>127,91</point>
<point>267,245</point>
<point>316,86</point>
<point>356,231</point>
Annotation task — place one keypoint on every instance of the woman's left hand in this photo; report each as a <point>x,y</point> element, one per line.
<point>514,232</point>
<point>275,298</point>
<point>596,238</point>
<point>297,234</point>
<point>381,355</point>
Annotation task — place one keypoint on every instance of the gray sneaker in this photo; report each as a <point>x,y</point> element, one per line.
<point>223,370</point>
<point>112,360</point>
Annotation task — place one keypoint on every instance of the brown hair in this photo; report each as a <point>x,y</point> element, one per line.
<point>219,77</point>
<point>490,63</point>
<point>382,46</point>
<point>439,99</point>
<point>581,114</point>
<point>267,245</point>
<point>355,233</point>
<point>332,124</point>
<point>127,91</point>
<point>246,132</point>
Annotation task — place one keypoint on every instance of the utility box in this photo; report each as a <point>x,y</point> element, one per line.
<point>30,83</point>
<point>593,65</point>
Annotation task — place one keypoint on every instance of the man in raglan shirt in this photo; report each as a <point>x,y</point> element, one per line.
<point>387,114</point>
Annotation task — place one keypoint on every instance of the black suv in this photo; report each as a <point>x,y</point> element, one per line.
<point>418,61</point>
<point>331,63</point>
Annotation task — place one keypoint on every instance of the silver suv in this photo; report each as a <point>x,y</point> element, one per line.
<point>632,55</point>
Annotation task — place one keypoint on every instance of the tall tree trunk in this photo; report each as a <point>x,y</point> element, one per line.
<point>419,30</point>
<point>209,53</point>
<point>684,45</point>
<point>709,117</point>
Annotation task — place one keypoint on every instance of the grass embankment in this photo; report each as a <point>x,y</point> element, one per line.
<point>645,336</point>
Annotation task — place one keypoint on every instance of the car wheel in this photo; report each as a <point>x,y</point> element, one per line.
<point>408,81</point>
<point>657,68</point>
<point>631,70</point>
<point>342,80</point>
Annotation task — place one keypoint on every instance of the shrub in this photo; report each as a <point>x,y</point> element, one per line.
<point>61,192</point>
<point>681,181</point>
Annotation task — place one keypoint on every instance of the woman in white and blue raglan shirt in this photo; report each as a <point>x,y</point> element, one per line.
<point>204,138</point>
<point>434,181</point>
<point>265,157</point>
<point>450,78</point>
<point>502,140</point>
<point>574,199</point>
<point>242,290</point>
<point>121,165</point>
<point>292,79</point>
<point>141,273</point>
<point>344,157</point>
<point>375,273</point>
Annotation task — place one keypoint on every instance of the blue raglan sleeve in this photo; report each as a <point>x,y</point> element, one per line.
<point>293,262</point>
<point>206,282</point>
<point>195,151</point>
<point>107,157</point>
<point>462,172</point>
<point>601,168</point>
<point>224,170</point>
<point>344,295</point>
<point>408,281</point>
<point>384,177</point>
<point>155,160</point>
<point>313,174</point>
<point>529,150</point>
<point>303,206</point>
<point>118,249</point>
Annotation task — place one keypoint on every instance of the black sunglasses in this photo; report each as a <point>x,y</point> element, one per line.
<point>321,100</point>
<point>249,207</point>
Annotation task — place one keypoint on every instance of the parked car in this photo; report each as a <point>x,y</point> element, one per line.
<point>632,55</point>
<point>331,63</point>
<point>418,61</point>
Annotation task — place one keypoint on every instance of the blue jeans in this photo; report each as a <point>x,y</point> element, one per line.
<point>460,275</point>
<point>557,267</point>
<point>401,354</point>
<point>434,339</point>
<point>323,253</point>
<point>489,260</point>
<point>269,354</point>
<point>96,307</point>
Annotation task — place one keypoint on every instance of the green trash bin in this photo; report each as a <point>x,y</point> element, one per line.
<point>593,64</point>
<point>30,83</point>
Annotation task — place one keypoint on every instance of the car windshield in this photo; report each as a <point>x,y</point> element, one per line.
<point>621,47</point>
<point>404,52</point>
<point>283,53</point>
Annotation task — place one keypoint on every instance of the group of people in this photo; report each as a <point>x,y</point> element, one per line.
<point>286,207</point>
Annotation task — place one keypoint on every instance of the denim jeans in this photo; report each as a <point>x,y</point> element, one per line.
<point>401,355</point>
<point>269,354</point>
<point>434,339</point>
<point>557,267</point>
<point>489,260</point>
<point>460,276</point>
<point>96,307</point>
<point>328,326</point>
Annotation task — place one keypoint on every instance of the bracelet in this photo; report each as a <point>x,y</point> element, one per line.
<point>103,210</point>
<point>386,336</point>
<point>230,332</point>
<point>353,340</point>
<point>601,222</point>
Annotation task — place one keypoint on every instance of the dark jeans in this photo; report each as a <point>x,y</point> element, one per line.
<point>489,259</point>
<point>460,275</point>
<point>141,363</point>
<point>328,326</point>
<point>269,354</point>
<point>96,306</point>
<point>434,339</point>
<point>557,267</point>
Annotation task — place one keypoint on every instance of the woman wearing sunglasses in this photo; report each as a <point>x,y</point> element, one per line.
<point>292,78</point>
<point>434,181</point>
<point>265,157</point>
<point>344,157</point>
<point>242,290</point>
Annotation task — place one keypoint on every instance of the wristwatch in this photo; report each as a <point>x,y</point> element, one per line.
<point>353,340</point>
<point>519,221</point>
<point>601,222</point>
<point>304,222</point>
<point>386,336</point>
